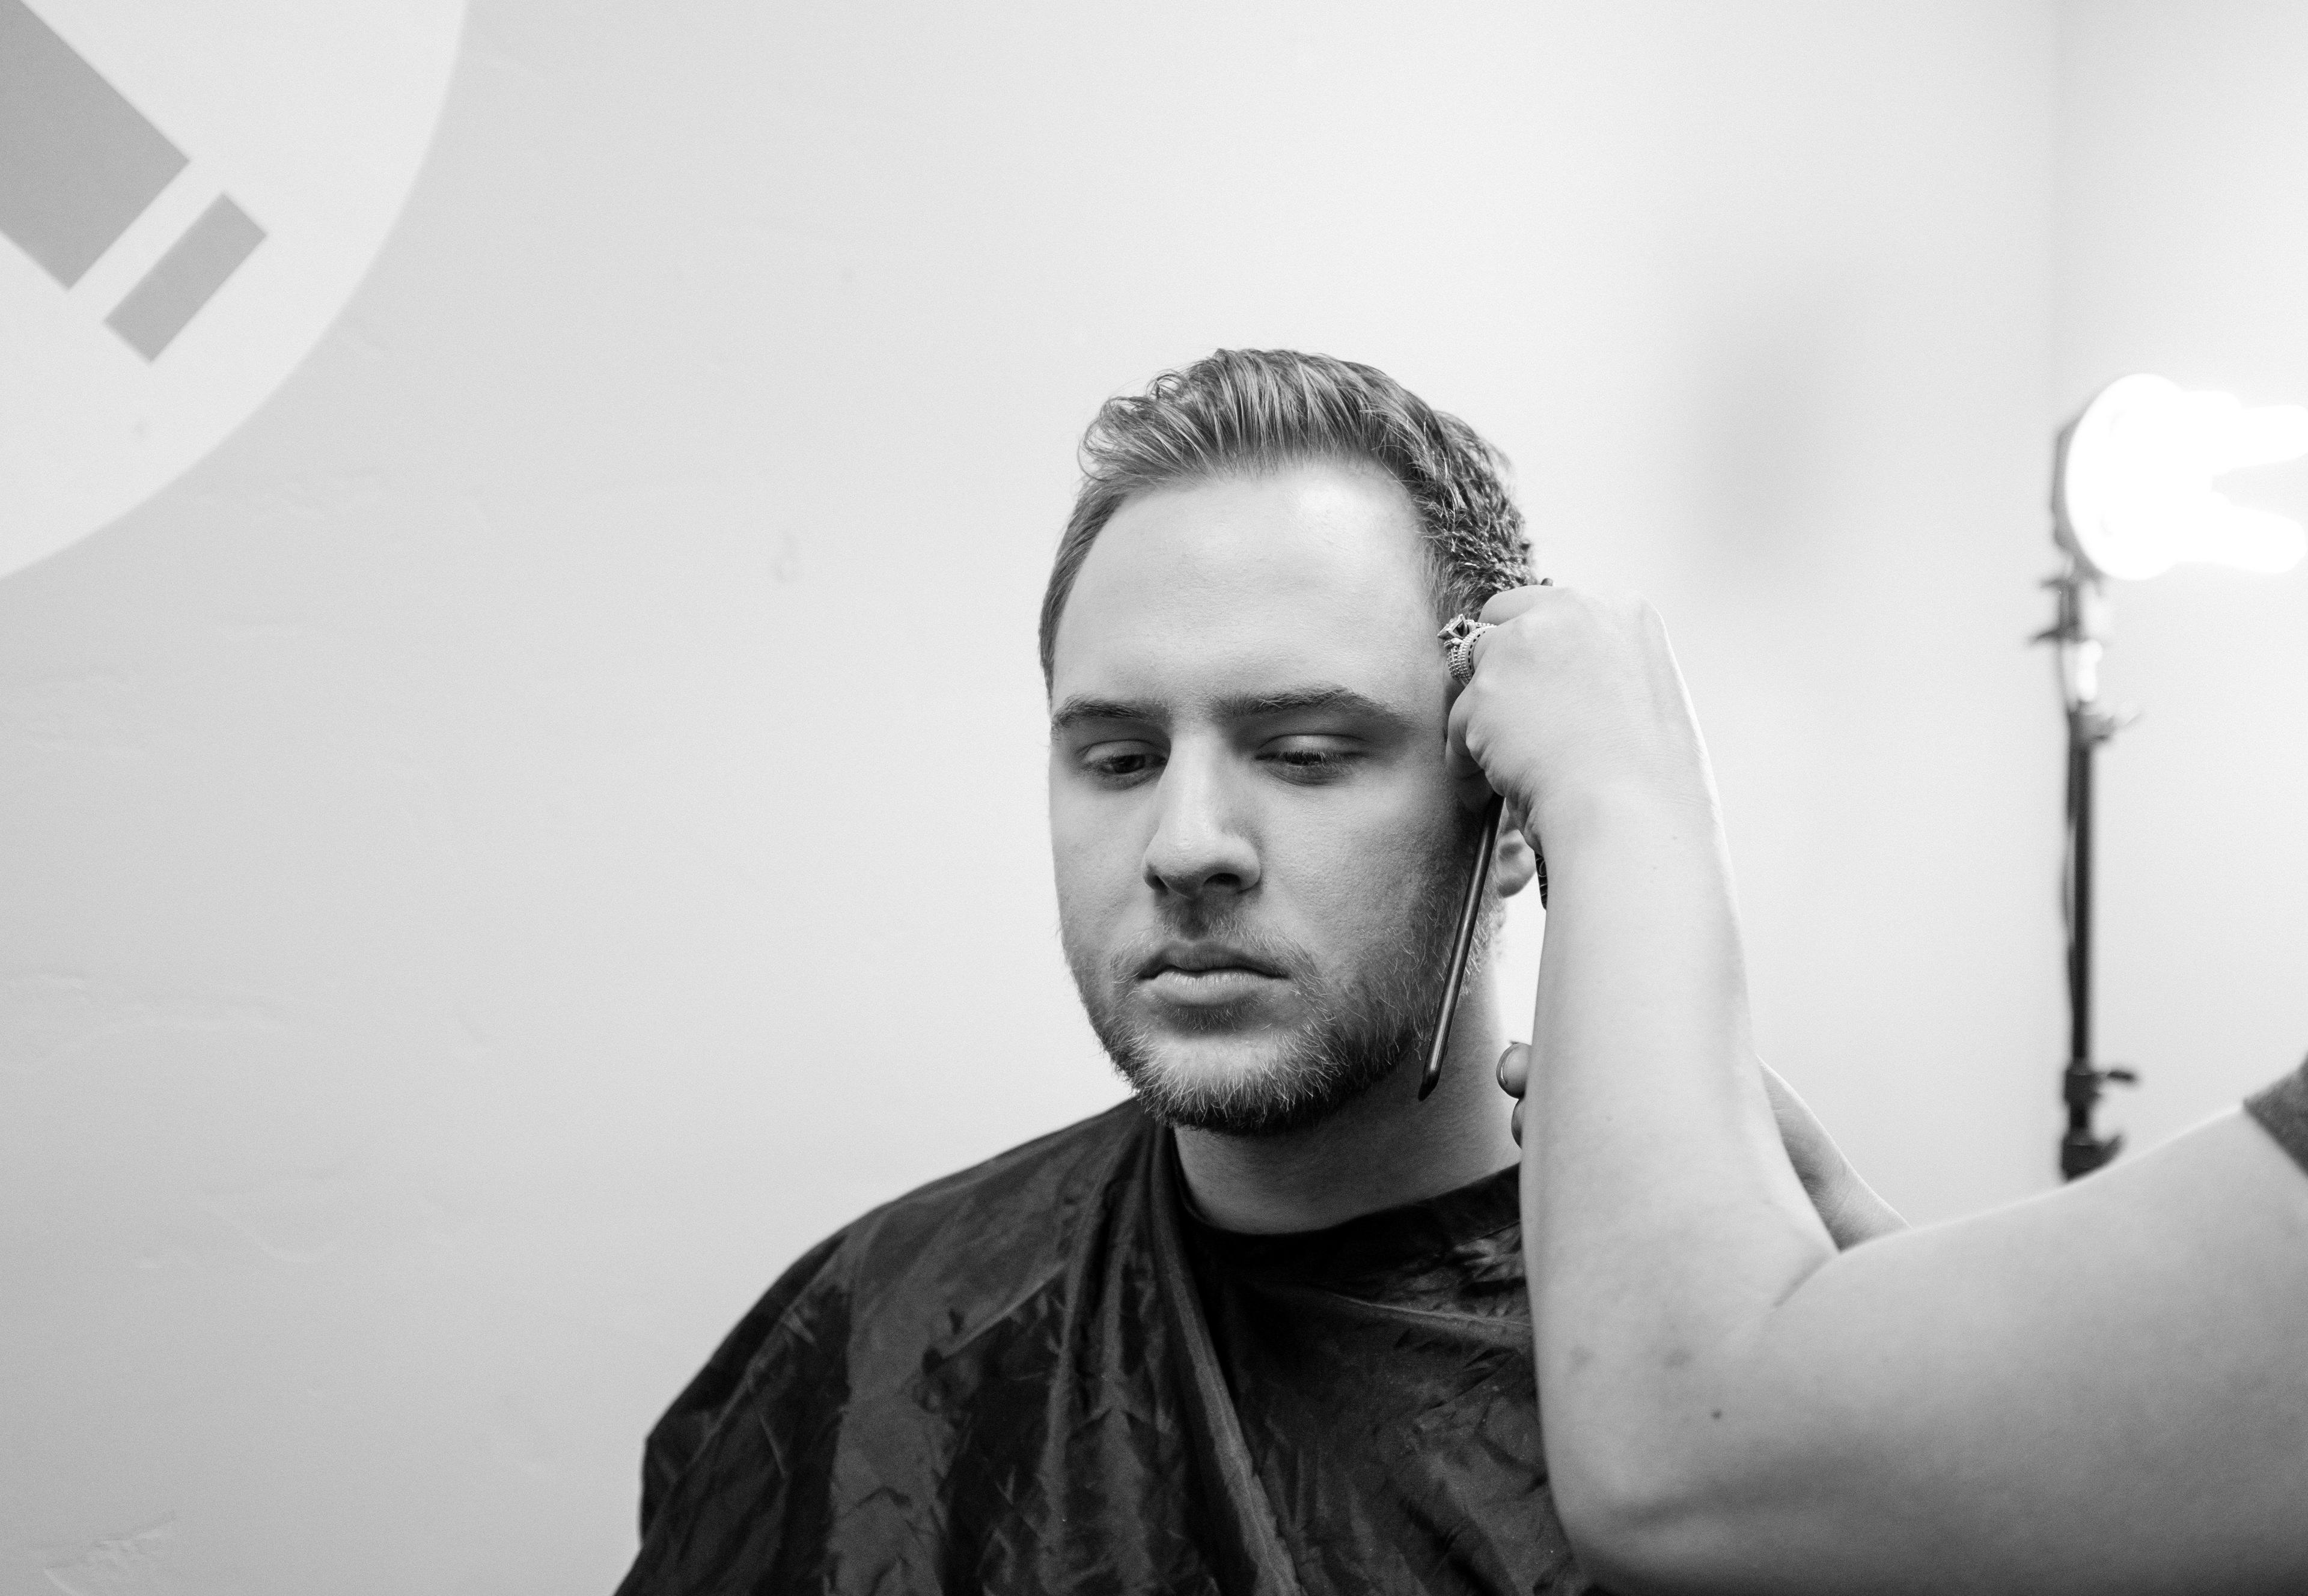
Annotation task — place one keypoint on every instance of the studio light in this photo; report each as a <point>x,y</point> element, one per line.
<point>2131,497</point>
<point>2133,493</point>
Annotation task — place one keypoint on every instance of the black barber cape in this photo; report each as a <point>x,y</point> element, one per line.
<point>1043,1375</point>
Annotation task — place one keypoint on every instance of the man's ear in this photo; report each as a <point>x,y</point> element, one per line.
<point>1514,864</point>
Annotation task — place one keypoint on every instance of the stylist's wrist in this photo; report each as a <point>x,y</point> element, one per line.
<point>1642,815</point>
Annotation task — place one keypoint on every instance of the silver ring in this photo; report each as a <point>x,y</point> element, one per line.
<point>1458,639</point>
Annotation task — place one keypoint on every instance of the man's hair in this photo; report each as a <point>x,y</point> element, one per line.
<point>1243,411</point>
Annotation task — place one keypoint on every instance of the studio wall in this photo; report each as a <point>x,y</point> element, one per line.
<point>545,821</point>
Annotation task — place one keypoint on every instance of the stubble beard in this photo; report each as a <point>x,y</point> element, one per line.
<point>1360,1028</point>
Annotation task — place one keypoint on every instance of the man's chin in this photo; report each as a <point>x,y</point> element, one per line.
<point>1289,1057</point>
<point>1238,1088</point>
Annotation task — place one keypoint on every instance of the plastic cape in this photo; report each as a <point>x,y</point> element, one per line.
<point>1011,1381</point>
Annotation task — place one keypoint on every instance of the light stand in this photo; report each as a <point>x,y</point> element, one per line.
<point>2077,634</point>
<point>2131,497</point>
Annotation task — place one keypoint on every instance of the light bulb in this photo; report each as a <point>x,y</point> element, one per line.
<point>2134,491</point>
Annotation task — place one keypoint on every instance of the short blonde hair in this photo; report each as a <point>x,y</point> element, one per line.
<point>1247,410</point>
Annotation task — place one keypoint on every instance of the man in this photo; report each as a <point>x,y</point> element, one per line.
<point>1262,1328</point>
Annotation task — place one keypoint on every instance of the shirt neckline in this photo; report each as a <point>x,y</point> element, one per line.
<point>1382,1242</point>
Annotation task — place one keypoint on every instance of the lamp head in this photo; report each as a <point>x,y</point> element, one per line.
<point>2131,487</point>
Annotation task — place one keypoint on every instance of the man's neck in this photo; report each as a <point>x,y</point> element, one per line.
<point>1383,1150</point>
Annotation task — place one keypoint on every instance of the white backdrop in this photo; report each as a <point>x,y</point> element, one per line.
<point>475,912</point>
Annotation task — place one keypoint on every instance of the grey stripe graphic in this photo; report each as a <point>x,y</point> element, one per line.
<point>195,268</point>
<point>78,163</point>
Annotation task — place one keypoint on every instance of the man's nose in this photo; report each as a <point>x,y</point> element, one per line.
<point>1200,845</point>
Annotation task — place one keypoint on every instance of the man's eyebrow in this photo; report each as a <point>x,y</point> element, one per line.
<point>1292,700</point>
<point>1078,709</point>
<point>1235,707</point>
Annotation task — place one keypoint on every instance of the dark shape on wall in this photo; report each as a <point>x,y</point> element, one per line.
<point>78,163</point>
<point>195,268</point>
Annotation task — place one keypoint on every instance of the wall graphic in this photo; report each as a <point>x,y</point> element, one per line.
<point>189,193</point>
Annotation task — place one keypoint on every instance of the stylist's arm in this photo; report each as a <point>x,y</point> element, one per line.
<point>2105,1390</point>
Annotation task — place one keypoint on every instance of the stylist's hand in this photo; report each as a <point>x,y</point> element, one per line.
<point>1576,707</point>
<point>1848,1206</point>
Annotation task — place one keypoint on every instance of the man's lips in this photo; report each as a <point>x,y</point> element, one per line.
<point>1203,959</point>
<point>1207,975</point>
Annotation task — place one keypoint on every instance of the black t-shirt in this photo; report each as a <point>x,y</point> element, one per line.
<point>1381,1373</point>
<point>2282,1111</point>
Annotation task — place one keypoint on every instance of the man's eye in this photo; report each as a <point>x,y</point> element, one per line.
<point>1306,758</point>
<point>1120,764</point>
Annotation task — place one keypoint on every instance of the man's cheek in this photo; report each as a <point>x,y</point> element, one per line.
<point>1369,893</point>
<point>1094,883</point>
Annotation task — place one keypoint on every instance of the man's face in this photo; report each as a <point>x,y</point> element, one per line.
<point>1257,852</point>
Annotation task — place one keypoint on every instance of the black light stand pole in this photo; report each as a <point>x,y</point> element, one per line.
<point>2076,635</point>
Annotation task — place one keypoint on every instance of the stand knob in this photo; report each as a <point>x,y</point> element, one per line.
<point>2081,1152</point>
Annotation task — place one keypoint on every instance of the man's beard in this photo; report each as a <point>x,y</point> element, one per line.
<point>1359,1028</point>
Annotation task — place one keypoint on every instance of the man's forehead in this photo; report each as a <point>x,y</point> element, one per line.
<point>1311,573</point>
